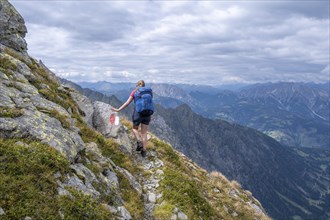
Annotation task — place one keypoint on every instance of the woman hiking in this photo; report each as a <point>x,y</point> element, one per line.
<point>143,110</point>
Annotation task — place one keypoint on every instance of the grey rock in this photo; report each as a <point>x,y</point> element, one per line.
<point>148,165</point>
<point>61,214</point>
<point>233,193</point>
<point>41,102</point>
<point>44,128</point>
<point>12,27</point>
<point>78,184</point>
<point>88,177</point>
<point>148,210</point>
<point>27,218</point>
<point>2,212</point>
<point>110,178</point>
<point>57,175</point>
<point>101,120</point>
<point>85,105</point>
<point>126,143</point>
<point>112,209</point>
<point>3,76</point>
<point>256,208</point>
<point>94,152</point>
<point>63,192</point>
<point>158,163</point>
<point>5,96</point>
<point>174,217</point>
<point>159,173</point>
<point>124,213</point>
<point>234,214</point>
<point>152,197</point>
<point>182,216</point>
<point>132,180</point>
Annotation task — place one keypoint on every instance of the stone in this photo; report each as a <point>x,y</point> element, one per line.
<point>12,27</point>
<point>182,216</point>
<point>122,211</point>
<point>174,217</point>
<point>152,197</point>
<point>112,209</point>
<point>27,218</point>
<point>132,180</point>
<point>159,163</point>
<point>63,192</point>
<point>101,120</point>
<point>110,178</point>
<point>78,184</point>
<point>44,128</point>
<point>85,105</point>
<point>2,212</point>
<point>256,208</point>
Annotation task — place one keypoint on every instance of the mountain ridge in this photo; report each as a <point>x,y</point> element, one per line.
<point>174,125</point>
<point>61,159</point>
<point>295,114</point>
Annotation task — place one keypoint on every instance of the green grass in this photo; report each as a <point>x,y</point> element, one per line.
<point>167,153</point>
<point>28,186</point>
<point>81,206</point>
<point>7,66</point>
<point>56,114</point>
<point>182,191</point>
<point>27,183</point>
<point>163,211</point>
<point>133,202</point>
<point>108,147</point>
<point>10,112</point>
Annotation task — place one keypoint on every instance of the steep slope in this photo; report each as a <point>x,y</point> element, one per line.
<point>277,176</point>
<point>295,114</point>
<point>281,178</point>
<point>56,162</point>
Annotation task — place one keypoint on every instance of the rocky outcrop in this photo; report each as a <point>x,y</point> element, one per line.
<point>12,27</point>
<point>105,120</point>
<point>35,120</point>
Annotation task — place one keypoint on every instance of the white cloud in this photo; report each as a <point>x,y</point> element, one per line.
<point>206,42</point>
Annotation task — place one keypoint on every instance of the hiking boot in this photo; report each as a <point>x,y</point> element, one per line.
<point>139,146</point>
<point>143,153</point>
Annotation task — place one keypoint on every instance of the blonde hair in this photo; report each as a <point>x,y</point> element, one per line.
<point>140,83</point>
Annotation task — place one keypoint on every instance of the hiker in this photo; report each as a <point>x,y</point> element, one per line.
<point>143,110</point>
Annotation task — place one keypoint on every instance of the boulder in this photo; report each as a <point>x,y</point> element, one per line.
<point>101,120</point>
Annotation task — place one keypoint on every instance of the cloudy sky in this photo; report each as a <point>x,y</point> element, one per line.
<point>195,42</point>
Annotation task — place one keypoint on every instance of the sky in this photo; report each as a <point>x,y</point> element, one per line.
<point>194,42</point>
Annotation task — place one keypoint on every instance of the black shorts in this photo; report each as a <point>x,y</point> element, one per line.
<point>137,118</point>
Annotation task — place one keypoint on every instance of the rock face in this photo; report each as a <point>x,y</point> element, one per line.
<point>19,92</point>
<point>12,27</point>
<point>105,120</point>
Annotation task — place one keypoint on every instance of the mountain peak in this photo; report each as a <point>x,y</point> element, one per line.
<point>12,27</point>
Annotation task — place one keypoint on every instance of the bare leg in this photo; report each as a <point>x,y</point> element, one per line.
<point>136,133</point>
<point>144,131</point>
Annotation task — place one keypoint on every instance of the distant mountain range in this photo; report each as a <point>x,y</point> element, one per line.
<point>291,179</point>
<point>295,114</point>
<point>279,177</point>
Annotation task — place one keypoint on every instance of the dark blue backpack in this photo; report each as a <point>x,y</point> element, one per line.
<point>143,101</point>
